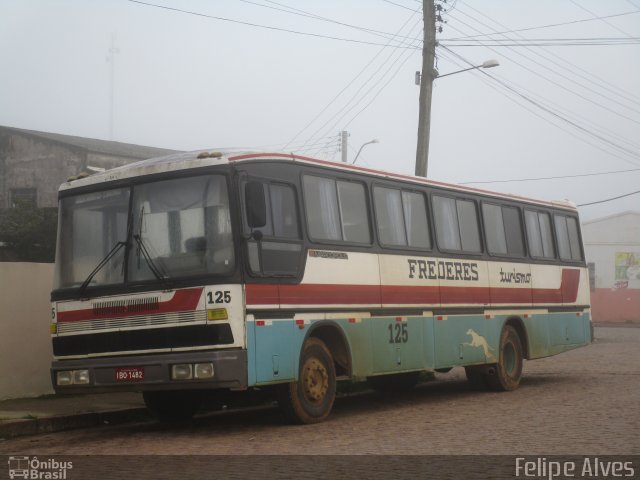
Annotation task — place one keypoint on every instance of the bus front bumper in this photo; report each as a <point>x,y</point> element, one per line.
<point>152,372</point>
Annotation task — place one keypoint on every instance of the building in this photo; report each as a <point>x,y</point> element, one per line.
<point>34,164</point>
<point>612,248</point>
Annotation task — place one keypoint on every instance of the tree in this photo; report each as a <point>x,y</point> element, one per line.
<point>29,233</point>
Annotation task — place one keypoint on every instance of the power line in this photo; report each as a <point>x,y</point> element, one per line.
<point>370,89</point>
<point>303,13</point>
<point>333,100</point>
<point>266,27</point>
<point>552,178</point>
<point>539,43</point>
<point>538,74</point>
<point>574,82</point>
<point>509,95</point>
<point>504,84</point>
<point>379,91</point>
<point>354,97</point>
<point>543,26</point>
<point>602,19</point>
<point>565,63</point>
<point>609,199</point>
<point>398,5</point>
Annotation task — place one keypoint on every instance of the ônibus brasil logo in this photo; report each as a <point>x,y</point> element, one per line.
<point>33,468</point>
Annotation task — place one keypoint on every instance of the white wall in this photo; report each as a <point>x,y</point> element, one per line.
<point>25,341</point>
<point>605,237</point>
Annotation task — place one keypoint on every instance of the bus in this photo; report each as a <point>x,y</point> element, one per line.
<point>193,275</point>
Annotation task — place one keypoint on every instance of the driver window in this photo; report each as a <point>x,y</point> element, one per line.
<point>278,252</point>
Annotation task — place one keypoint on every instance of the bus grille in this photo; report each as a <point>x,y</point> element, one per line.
<point>133,322</point>
<point>118,307</point>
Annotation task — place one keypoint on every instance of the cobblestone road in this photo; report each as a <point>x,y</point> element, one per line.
<point>582,402</point>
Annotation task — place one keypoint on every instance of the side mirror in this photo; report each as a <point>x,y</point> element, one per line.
<point>255,205</point>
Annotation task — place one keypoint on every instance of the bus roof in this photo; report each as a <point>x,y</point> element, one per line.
<point>201,158</point>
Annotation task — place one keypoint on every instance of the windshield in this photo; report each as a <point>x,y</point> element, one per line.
<point>179,228</point>
<point>89,227</point>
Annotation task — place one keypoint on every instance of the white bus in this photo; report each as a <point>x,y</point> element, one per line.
<point>197,274</point>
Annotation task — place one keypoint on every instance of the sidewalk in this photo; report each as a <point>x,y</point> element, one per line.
<point>53,413</point>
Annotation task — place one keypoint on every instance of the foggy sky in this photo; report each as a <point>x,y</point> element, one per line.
<point>188,82</point>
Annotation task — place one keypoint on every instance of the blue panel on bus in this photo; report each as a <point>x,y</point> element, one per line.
<point>277,348</point>
<point>567,330</point>
<point>463,340</point>
<point>398,344</point>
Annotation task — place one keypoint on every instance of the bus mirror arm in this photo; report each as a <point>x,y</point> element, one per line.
<point>255,235</point>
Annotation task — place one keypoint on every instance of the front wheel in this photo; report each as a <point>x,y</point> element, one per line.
<point>310,399</point>
<point>508,370</point>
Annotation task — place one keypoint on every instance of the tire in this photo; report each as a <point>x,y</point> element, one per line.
<point>310,399</point>
<point>173,406</point>
<point>508,370</point>
<point>399,382</point>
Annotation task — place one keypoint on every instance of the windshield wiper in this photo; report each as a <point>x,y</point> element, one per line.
<point>157,272</point>
<point>116,248</point>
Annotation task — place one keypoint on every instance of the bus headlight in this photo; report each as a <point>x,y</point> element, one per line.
<point>182,371</point>
<point>203,370</point>
<point>80,377</point>
<point>64,377</point>
<point>73,377</point>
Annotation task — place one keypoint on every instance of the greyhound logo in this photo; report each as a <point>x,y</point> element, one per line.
<point>480,341</point>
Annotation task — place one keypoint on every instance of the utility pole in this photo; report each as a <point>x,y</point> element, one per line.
<point>426,84</point>
<point>344,135</point>
<point>111,57</point>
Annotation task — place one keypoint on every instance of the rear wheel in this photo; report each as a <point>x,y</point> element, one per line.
<point>310,399</point>
<point>508,370</point>
<point>173,406</point>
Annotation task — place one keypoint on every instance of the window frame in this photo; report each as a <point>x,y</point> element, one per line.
<point>269,206</point>
<point>566,217</point>
<point>407,246</point>
<point>271,238</point>
<point>335,179</point>
<point>523,233</point>
<point>479,226</point>
<point>549,214</point>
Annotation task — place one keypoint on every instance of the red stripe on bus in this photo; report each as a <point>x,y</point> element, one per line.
<point>334,294</point>
<point>311,294</point>
<point>262,294</point>
<point>567,293</point>
<point>182,300</point>
<point>511,295</point>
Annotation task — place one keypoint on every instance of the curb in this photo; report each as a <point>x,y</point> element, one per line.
<point>17,428</point>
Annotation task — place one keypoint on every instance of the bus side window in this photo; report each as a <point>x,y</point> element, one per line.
<point>568,239</point>
<point>336,210</point>
<point>539,234</point>
<point>401,218</point>
<point>503,230</point>
<point>456,224</point>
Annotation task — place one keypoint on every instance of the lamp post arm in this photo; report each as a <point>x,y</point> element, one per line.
<point>360,150</point>
<point>459,71</point>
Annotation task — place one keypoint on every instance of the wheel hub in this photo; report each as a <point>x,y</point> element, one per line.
<point>315,380</point>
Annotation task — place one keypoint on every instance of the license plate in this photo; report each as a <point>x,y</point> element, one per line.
<point>129,374</point>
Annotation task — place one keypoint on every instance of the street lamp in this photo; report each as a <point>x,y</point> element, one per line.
<point>375,140</point>
<point>487,64</point>
<point>424,114</point>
